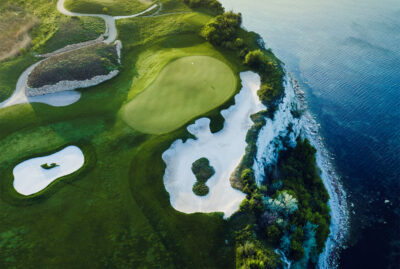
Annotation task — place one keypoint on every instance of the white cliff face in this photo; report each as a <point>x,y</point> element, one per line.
<point>269,141</point>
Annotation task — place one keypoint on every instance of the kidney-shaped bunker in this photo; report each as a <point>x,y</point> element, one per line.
<point>33,175</point>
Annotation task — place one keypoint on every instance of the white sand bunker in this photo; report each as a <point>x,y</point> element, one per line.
<point>224,150</point>
<point>30,177</point>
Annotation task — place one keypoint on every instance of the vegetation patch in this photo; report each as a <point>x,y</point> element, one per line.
<point>52,31</point>
<point>110,7</point>
<point>203,171</point>
<point>81,64</point>
<point>15,24</point>
<point>185,88</point>
<point>49,166</point>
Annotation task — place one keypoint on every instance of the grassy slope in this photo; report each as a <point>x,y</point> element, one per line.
<point>184,89</point>
<point>53,32</point>
<point>110,7</point>
<point>116,213</point>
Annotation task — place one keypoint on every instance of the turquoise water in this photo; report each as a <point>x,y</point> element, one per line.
<point>346,56</point>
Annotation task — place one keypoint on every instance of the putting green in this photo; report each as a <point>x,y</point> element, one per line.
<point>185,88</point>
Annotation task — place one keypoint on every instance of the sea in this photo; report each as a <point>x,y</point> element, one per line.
<point>345,57</point>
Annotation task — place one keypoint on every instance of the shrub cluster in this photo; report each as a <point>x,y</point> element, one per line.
<point>297,167</point>
<point>203,171</point>
<point>80,64</point>
<point>223,29</point>
<point>251,256</point>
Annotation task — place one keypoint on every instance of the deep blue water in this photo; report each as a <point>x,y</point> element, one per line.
<point>346,56</point>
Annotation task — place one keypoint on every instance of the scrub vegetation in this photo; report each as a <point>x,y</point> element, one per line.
<point>115,211</point>
<point>15,24</point>
<point>50,32</point>
<point>203,171</point>
<point>81,64</point>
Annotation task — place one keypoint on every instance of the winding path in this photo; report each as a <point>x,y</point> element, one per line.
<point>66,98</point>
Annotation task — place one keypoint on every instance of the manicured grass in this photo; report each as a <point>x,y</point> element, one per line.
<point>110,7</point>
<point>116,213</point>
<point>184,89</point>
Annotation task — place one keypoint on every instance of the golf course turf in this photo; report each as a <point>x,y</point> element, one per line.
<point>115,212</point>
<point>185,88</point>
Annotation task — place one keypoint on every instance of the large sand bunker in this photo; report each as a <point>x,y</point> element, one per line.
<point>224,151</point>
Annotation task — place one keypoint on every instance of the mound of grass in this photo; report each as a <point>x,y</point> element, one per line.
<point>110,7</point>
<point>81,64</point>
<point>184,89</point>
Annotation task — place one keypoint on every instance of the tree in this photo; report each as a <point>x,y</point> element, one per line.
<point>222,29</point>
<point>258,61</point>
<point>273,234</point>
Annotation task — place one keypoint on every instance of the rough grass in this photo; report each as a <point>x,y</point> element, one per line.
<point>15,24</point>
<point>110,7</point>
<point>184,89</point>
<point>81,64</point>
<point>52,31</point>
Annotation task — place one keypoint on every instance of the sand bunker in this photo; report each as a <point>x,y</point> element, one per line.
<point>224,151</point>
<point>30,177</point>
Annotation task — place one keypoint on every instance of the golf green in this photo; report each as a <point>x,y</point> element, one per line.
<point>185,88</point>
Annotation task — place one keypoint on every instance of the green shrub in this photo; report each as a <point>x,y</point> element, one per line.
<point>296,250</point>
<point>202,169</point>
<point>49,166</point>
<point>223,28</point>
<point>273,234</point>
<point>251,256</point>
<point>200,188</point>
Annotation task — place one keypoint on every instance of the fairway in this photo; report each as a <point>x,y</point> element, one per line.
<point>184,89</point>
